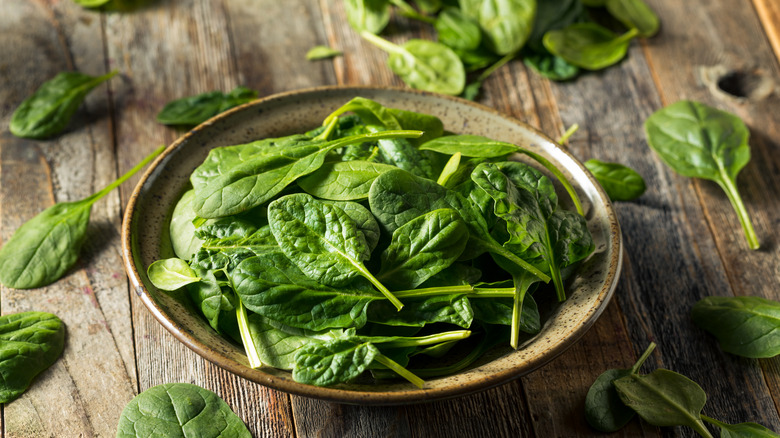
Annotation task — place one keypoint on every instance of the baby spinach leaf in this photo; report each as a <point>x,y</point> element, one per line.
<point>30,342</point>
<point>506,24</point>
<point>364,221</point>
<point>91,3</point>
<point>322,52</point>
<point>664,398</point>
<point>456,30</point>
<point>179,410</point>
<point>261,176</point>
<point>336,361</point>
<point>588,45</point>
<point>343,180</point>
<point>46,246</point>
<point>323,241</point>
<point>272,286</point>
<point>194,110</point>
<point>745,326</point>
<point>554,15</point>
<point>550,66</point>
<point>424,65</point>
<point>49,110</point>
<point>700,141</point>
<point>397,197</point>
<point>741,430</point>
<point>604,410</point>
<point>368,15</point>
<point>171,274</point>
<point>182,230</point>
<point>635,14</point>
<point>420,311</point>
<point>621,183</point>
<point>213,297</point>
<point>423,247</point>
<point>278,343</point>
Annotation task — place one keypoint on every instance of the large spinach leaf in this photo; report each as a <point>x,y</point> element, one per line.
<point>343,180</point>
<point>49,110</point>
<point>46,246</point>
<point>456,30</point>
<point>261,176</point>
<point>588,45</point>
<point>179,410</point>
<point>194,110</point>
<point>699,141</point>
<point>745,326</point>
<point>30,342</point>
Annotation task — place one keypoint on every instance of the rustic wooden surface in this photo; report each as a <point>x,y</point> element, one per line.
<point>682,238</point>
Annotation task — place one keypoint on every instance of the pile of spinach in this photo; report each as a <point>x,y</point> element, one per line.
<point>556,38</point>
<point>662,398</point>
<point>373,243</point>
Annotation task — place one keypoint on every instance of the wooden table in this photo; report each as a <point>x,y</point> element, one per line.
<point>682,239</point>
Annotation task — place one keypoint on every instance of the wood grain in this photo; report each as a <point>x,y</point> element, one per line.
<point>769,13</point>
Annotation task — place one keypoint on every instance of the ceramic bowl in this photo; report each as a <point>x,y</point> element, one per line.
<point>144,239</point>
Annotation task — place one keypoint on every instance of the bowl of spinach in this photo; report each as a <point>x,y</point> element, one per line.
<point>371,245</point>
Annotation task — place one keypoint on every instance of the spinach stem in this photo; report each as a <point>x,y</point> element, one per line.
<point>438,338</point>
<point>643,358</point>
<point>382,43</point>
<point>378,284</point>
<point>465,289</point>
<point>558,175</point>
<point>500,250</point>
<point>246,337</point>
<point>409,12</point>
<point>127,174</point>
<point>736,201</point>
<point>569,132</point>
<point>401,371</point>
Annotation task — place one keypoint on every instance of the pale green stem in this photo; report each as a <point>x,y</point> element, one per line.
<point>643,358</point>
<point>382,43</point>
<point>324,135</point>
<point>558,175</point>
<point>449,169</point>
<point>127,175</point>
<point>736,202</point>
<point>378,284</point>
<point>438,338</point>
<point>401,371</point>
<point>246,337</point>
<point>410,12</point>
<point>569,132</point>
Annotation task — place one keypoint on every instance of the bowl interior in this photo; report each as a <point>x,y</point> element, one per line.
<point>145,239</point>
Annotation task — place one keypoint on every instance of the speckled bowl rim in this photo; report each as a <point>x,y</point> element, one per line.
<point>338,394</point>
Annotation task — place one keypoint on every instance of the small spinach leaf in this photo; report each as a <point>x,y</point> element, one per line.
<point>741,430</point>
<point>182,230</point>
<point>171,274</point>
<point>333,362</point>
<point>194,110</point>
<point>699,141</point>
<point>49,110</point>
<point>456,30</point>
<point>322,52</point>
<point>46,246</point>
<point>424,65</point>
<point>588,45</point>
<point>635,14</point>
<point>621,183</point>
<point>179,410</point>
<point>745,326</point>
<point>30,342</point>
<point>368,15</point>
<point>506,24</point>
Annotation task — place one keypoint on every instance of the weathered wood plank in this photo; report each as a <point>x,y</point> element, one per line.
<point>82,394</point>
<point>769,13</point>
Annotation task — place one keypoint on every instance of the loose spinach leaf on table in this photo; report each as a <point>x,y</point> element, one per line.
<point>368,15</point>
<point>49,110</point>
<point>745,326</point>
<point>635,14</point>
<point>741,430</point>
<point>621,183</point>
<point>46,246</point>
<point>664,398</point>
<point>506,24</point>
<point>194,110</point>
<point>588,45</point>
<point>179,410</point>
<point>699,141</point>
<point>30,342</point>
<point>322,52</point>
<point>424,65</point>
<point>604,410</point>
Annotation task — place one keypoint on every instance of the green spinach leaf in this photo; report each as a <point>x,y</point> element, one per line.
<point>179,410</point>
<point>588,45</point>
<point>456,30</point>
<point>49,110</point>
<point>46,246</point>
<point>699,141</point>
<point>664,398</point>
<point>635,14</point>
<point>322,52</point>
<point>171,274</point>
<point>745,326</point>
<point>621,183</point>
<point>182,230</point>
<point>741,430</point>
<point>194,110</point>
<point>506,24</point>
<point>343,180</point>
<point>30,342</point>
<point>424,65</point>
<point>368,15</point>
